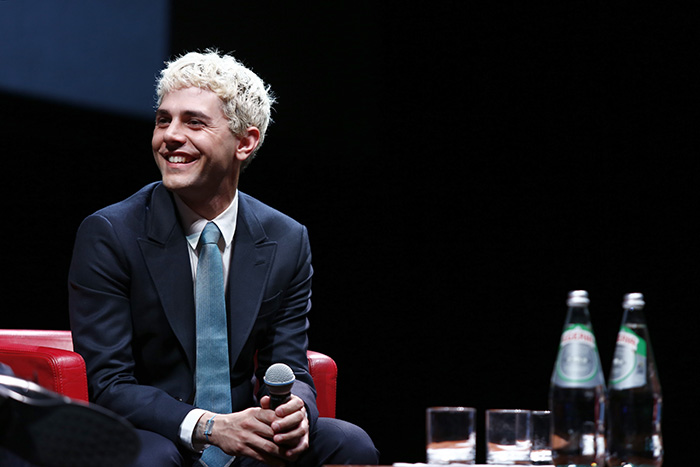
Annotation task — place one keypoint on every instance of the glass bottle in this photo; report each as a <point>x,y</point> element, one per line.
<point>577,393</point>
<point>634,421</point>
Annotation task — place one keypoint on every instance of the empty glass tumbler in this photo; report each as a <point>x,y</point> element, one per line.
<point>451,435</point>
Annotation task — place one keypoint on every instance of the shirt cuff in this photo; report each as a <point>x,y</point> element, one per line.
<point>187,430</point>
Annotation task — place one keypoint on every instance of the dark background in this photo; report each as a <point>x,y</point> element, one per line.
<point>460,166</point>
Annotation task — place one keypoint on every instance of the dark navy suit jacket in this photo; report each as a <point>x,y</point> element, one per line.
<point>132,307</point>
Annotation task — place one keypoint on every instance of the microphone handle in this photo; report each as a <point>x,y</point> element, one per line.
<point>278,399</point>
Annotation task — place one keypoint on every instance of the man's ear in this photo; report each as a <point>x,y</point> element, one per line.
<point>248,143</point>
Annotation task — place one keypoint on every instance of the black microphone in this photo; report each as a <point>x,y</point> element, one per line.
<point>279,379</point>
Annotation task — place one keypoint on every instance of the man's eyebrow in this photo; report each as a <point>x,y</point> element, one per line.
<point>187,113</point>
<point>197,114</point>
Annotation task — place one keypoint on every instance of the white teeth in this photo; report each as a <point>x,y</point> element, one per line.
<point>176,159</point>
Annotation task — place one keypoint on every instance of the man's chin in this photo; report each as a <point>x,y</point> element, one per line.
<point>174,185</point>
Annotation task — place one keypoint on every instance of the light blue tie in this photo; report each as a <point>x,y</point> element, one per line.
<point>212,378</point>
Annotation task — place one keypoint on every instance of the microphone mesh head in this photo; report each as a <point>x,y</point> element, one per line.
<point>279,374</point>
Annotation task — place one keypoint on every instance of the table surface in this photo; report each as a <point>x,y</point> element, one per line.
<point>405,464</point>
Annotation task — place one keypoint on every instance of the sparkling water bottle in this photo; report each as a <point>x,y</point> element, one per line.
<point>577,392</point>
<point>634,420</point>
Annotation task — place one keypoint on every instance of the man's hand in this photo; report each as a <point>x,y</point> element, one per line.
<point>260,433</point>
<point>247,433</point>
<point>291,427</point>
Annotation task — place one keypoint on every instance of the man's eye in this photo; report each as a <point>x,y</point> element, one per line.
<point>162,121</point>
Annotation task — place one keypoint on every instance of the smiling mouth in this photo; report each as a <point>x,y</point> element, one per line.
<point>179,159</point>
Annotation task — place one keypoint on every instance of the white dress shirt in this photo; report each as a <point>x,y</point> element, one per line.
<point>193,225</point>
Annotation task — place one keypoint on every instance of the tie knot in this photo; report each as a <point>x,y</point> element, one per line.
<point>211,233</point>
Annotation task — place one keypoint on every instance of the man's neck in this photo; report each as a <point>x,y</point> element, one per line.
<point>208,207</point>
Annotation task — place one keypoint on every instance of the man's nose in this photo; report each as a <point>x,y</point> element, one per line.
<point>174,134</point>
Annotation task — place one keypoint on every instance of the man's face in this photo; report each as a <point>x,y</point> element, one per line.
<point>194,148</point>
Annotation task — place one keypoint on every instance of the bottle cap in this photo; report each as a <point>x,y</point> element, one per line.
<point>577,298</point>
<point>633,300</point>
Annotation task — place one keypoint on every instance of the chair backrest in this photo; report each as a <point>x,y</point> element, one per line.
<point>38,337</point>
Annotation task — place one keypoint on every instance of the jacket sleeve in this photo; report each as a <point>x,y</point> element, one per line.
<point>286,338</point>
<point>99,283</point>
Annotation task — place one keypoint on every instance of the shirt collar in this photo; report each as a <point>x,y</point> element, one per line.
<point>193,224</point>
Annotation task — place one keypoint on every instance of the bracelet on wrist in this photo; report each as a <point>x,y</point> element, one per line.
<point>207,428</point>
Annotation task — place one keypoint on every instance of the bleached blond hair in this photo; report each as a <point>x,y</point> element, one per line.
<point>246,99</point>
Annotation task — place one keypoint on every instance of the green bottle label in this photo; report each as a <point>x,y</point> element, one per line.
<point>578,365</point>
<point>629,368</point>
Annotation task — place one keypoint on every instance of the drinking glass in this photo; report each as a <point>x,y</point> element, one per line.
<point>451,435</point>
<point>508,436</point>
<point>541,453</point>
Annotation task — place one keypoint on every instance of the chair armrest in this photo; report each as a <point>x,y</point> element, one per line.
<point>61,371</point>
<point>324,372</point>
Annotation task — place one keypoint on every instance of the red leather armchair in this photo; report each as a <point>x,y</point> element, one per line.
<point>47,358</point>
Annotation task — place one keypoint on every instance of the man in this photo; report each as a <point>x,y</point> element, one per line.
<point>132,288</point>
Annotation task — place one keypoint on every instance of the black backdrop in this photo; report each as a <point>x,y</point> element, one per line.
<point>460,165</point>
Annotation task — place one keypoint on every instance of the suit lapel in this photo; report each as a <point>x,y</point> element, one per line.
<point>166,256</point>
<point>251,260</point>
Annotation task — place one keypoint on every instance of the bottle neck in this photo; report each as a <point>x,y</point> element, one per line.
<point>634,315</point>
<point>578,315</point>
